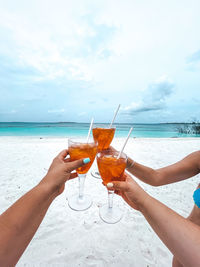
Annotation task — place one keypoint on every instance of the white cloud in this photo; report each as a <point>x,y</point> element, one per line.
<point>56,110</point>
<point>154,98</point>
<point>12,111</point>
<point>193,61</point>
<point>82,113</point>
<point>195,57</point>
<point>80,53</point>
<point>57,42</point>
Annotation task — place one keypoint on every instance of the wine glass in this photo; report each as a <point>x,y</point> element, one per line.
<point>111,168</point>
<point>80,150</point>
<point>103,136</point>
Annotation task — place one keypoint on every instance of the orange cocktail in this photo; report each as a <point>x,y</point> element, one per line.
<point>81,151</point>
<point>103,136</point>
<point>111,167</point>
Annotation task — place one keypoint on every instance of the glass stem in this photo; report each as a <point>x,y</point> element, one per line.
<point>96,168</point>
<point>81,178</point>
<point>110,199</point>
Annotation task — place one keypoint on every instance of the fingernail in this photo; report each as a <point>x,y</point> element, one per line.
<point>86,160</point>
<point>109,185</point>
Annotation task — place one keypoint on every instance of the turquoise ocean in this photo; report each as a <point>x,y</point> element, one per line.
<point>71,129</point>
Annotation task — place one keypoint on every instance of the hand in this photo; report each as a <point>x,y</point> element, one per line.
<point>112,149</point>
<point>129,162</point>
<point>129,190</point>
<point>60,171</point>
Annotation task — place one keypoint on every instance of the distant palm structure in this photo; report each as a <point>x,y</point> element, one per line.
<point>190,128</point>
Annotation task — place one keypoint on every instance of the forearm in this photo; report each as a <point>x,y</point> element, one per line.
<point>144,173</point>
<point>181,236</point>
<point>19,223</point>
<point>181,170</point>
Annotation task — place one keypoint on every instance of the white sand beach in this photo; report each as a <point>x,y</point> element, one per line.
<point>70,238</point>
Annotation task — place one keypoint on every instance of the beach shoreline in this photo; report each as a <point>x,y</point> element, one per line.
<point>69,238</point>
<point>84,137</point>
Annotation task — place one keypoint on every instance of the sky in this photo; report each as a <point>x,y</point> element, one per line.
<point>64,60</point>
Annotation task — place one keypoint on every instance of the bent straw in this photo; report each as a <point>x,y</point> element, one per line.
<point>91,123</point>
<point>125,143</point>
<point>115,116</point>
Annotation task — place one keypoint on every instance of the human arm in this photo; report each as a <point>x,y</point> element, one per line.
<point>19,223</point>
<point>181,170</point>
<point>181,236</point>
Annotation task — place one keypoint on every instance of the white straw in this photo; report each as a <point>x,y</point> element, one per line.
<point>91,123</point>
<point>115,116</point>
<point>125,143</point>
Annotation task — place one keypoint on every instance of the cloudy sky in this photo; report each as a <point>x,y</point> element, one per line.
<point>64,60</point>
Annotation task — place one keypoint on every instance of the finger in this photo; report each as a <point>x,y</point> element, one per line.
<point>117,192</point>
<point>67,160</point>
<point>122,186</point>
<point>112,149</point>
<point>130,180</point>
<point>73,165</point>
<point>73,175</point>
<point>62,155</point>
<point>127,177</point>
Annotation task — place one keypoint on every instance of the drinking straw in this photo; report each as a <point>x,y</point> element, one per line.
<point>91,123</point>
<point>125,143</point>
<point>115,116</point>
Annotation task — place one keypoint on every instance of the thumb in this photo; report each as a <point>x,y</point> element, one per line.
<point>73,165</point>
<point>122,186</point>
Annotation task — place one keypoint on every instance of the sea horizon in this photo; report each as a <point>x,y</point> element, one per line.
<point>77,129</point>
<point>40,122</point>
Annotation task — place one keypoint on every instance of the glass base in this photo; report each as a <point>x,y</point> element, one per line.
<point>78,204</point>
<point>96,174</point>
<point>110,215</point>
